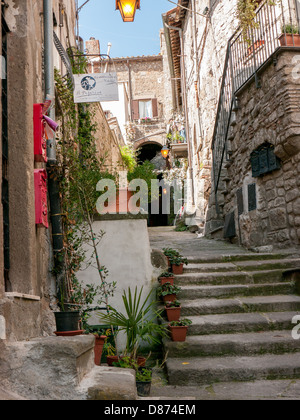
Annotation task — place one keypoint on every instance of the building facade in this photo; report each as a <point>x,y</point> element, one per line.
<point>243,139</point>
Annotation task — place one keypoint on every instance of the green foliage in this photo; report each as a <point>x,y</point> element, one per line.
<point>129,158</point>
<point>166,274</point>
<point>146,172</point>
<point>170,252</point>
<point>181,323</point>
<point>78,171</point>
<point>144,375</point>
<point>178,260</point>
<point>175,304</point>
<point>246,16</point>
<point>168,289</point>
<point>290,29</point>
<point>138,320</point>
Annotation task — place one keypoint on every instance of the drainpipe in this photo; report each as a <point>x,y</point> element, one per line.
<point>185,106</point>
<point>53,186</point>
<point>196,61</point>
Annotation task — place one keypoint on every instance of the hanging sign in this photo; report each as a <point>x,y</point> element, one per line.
<point>96,87</point>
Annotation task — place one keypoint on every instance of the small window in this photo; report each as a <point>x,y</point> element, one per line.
<point>145,109</point>
<point>264,160</point>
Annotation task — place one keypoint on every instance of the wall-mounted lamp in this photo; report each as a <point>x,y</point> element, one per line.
<point>165,152</point>
<point>128,8</point>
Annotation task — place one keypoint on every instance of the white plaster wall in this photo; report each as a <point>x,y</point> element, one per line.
<point>125,251</point>
<point>119,109</point>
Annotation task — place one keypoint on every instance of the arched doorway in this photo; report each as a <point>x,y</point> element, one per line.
<point>151,151</point>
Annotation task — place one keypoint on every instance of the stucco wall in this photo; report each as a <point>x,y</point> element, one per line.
<point>125,251</point>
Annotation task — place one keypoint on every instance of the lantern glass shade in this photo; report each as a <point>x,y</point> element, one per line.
<point>165,152</point>
<point>127,9</point>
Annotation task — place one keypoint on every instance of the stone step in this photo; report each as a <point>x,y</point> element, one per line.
<point>244,256</point>
<point>208,370</point>
<point>276,303</point>
<point>283,389</point>
<point>226,278</point>
<point>243,266</point>
<point>240,344</point>
<point>240,323</point>
<point>223,291</point>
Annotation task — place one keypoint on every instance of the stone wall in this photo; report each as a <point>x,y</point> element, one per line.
<point>268,115</point>
<point>205,44</point>
<point>25,296</point>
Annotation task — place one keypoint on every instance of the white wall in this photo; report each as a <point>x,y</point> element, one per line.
<point>125,251</point>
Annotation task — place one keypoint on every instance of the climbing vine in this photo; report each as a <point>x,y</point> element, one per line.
<point>246,13</point>
<point>79,170</point>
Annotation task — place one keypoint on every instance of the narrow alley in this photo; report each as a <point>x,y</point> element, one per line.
<point>150,201</point>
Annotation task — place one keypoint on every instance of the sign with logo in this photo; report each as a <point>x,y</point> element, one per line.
<point>96,87</point>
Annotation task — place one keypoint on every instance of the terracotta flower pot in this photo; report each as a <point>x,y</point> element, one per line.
<point>170,298</point>
<point>178,334</point>
<point>112,359</point>
<point>99,343</point>
<point>173,314</point>
<point>164,280</point>
<point>177,269</point>
<point>141,361</point>
<point>289,40</point>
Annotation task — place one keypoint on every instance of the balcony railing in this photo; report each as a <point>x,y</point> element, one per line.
<point>274,26</point>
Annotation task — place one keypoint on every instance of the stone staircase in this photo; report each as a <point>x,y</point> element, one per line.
<point>242,309</point>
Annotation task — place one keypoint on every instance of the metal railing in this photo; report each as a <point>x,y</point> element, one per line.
<point>274,26</point>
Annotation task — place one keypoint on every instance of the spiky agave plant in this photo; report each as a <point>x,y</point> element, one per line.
<point>138,320</point>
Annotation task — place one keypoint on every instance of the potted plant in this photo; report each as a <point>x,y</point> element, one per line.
<point>173,310</point>
<point>168,292</point>
<point>178,329</point>
<point>138,321</point>
<point>166,277</point>
<point>290,36</point>
<point>100,341</point>
<point>75,308</point>
<point>144,382</point>
<point>170,253</point>
<point>143,375</point>
<point>177,264</point>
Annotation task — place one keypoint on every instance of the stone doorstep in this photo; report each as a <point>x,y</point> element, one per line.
<point>207,370</point>
<point>236,323</point>
<point>109,384</point>
<point>276,342</point>
<point>276,303</point>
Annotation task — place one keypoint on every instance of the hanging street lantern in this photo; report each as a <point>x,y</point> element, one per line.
<point>165,152</point>
<point>128,8</point>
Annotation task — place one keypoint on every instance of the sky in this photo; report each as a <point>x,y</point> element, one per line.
<point>100,20</point>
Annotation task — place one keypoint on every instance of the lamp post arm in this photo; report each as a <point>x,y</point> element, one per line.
<point>79,8</point>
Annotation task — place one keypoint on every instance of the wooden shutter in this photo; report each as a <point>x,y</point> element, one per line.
<point>135,110</point>
<point>154,108</point>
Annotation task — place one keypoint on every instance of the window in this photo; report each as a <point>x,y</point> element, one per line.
<point>264,160</point>
<point>144,108</point>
